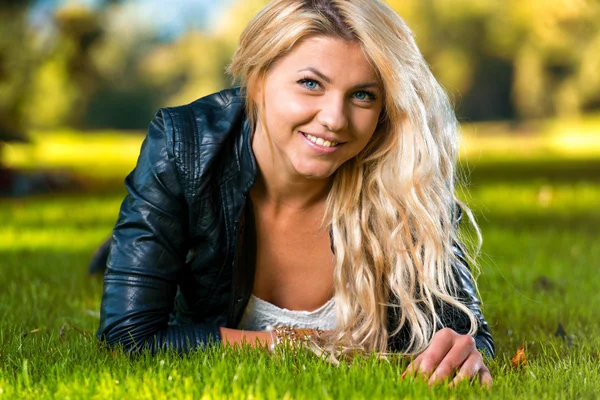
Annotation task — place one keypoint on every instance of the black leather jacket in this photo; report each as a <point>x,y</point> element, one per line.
<point>180,264</point>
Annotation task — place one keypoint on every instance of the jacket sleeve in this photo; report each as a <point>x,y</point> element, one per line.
<point>148,249</point>
<point>467,294</point>
<point>457,320</point>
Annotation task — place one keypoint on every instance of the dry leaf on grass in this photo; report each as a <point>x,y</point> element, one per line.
<point>31,331</point>
<point>519,360</point>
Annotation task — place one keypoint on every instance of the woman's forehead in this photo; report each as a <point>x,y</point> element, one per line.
<point>333,57</point>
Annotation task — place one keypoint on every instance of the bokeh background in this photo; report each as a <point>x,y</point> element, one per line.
<point>74,75</point>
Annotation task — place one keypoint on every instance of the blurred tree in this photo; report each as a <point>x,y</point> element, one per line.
<point>557,66</point>
<point>195,64</point>
<point>66,73</point>
<point>125,97</point>
<point>498,60</point>
<point>92,72</point>
<point>191,67</point>
<point>15,68</point>
<point>511,58</point>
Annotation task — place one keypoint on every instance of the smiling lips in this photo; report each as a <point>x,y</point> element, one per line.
<point>319,141</point>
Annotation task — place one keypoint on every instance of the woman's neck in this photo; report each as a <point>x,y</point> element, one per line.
<point>288,194</point>
<point>276,186</point>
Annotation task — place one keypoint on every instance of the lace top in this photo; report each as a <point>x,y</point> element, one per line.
<point>260,313</point>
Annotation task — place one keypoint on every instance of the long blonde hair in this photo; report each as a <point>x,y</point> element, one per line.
<point>391,208</point>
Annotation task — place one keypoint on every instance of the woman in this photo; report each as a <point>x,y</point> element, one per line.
<point>320,195</point>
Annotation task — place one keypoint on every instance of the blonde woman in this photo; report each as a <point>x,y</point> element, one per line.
<point>318,198</point>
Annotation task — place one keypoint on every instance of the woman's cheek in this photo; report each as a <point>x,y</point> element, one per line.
<point>302,107</point>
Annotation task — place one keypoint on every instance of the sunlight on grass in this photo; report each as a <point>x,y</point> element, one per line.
<point>71,224</point>
<point>532,198</point>
<point>97,154</point>
<point>19,239</point>
<point>113,154</point>
<point>565,138</point>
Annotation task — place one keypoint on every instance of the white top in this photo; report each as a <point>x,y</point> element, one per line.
<point>260,313</point>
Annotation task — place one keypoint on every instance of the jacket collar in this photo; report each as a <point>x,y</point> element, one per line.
<point>239,163</point>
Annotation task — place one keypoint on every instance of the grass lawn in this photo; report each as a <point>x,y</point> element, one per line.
<point>540,216</point>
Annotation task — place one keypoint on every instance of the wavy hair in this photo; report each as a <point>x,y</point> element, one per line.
<point>391,208</point>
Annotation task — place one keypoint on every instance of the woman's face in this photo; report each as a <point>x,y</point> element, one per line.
<point>322,103</point>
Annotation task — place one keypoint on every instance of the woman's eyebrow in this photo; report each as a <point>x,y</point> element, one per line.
<point>367,85</point>
<point>328,80</point>
<point>316,72</point>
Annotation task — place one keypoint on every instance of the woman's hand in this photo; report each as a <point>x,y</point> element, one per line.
<point>450,352</point>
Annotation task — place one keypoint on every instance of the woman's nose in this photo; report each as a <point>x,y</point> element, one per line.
<point>332,114</point>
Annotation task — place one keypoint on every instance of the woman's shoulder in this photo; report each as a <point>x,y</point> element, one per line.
<point>197,132</point>
<point>206,139</point>
<point>214,115</point>
<point>221,99</point>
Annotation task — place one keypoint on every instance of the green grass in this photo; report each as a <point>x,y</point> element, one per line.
<point>540,218</point>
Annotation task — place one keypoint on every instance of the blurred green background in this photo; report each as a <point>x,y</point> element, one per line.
<point>80,80</point>
<point>100,64</point>
<point>77,75</point>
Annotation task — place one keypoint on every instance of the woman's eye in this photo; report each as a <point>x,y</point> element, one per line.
<point>361,95</point>
<point>364,96</point>
<point>310,84</point>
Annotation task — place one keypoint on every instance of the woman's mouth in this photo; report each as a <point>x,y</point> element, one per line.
<point>319,141</point>
<point>319,145</point>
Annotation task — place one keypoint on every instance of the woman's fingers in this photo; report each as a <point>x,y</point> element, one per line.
<point>411,369</point>
<point>485,377</point>
<point>463,349</point>
<point>448,353</point>
<point>474,367</point>
<point>428,361</point>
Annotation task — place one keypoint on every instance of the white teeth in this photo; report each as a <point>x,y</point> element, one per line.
<point>319,141</point>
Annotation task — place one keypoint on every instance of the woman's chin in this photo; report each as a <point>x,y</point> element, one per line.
<point>316,173</point>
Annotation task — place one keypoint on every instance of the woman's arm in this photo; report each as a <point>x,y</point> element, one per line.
<point>232,337</point>
<point>149,244</point>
